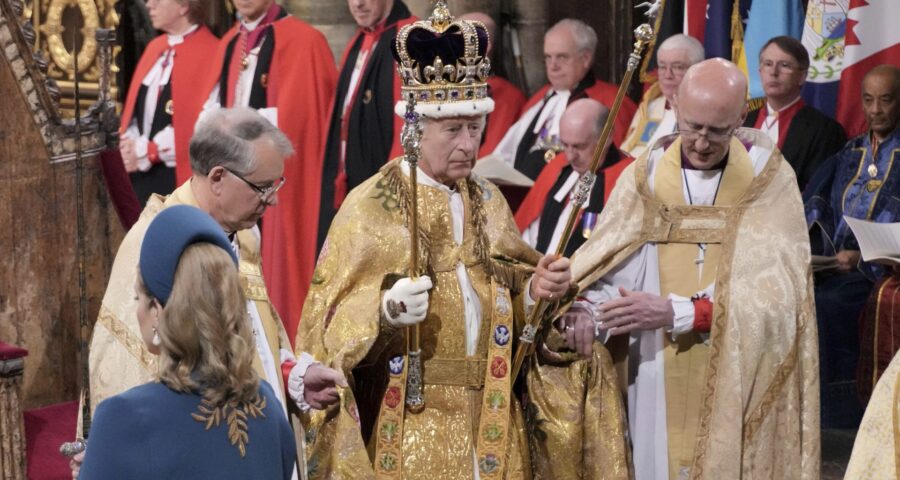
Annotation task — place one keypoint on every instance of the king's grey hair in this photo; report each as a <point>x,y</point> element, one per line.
<point>224,137</point>
<point>585,36</point>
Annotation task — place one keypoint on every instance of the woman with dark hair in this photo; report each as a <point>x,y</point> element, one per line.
<point>209,415</point>
<point>162,104</point>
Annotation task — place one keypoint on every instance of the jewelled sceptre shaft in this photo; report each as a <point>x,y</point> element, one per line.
<point>644,34</point>
<point>410,137</point>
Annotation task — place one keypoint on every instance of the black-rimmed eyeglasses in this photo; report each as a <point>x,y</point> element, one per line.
<point>265,193</point>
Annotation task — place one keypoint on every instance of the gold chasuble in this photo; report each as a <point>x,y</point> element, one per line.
<point>471,419</point>
<point>745,403</point>
<point>119,359</point>
<point>876,452</point>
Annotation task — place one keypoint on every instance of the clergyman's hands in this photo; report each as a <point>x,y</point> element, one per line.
<point>552,278</point>
<point>320,386</point>
<point>577,326</point>
<point>636,311</point>
<point>847,260</point>
<point>129,155</point>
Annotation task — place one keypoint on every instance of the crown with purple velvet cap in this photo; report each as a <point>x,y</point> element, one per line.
<point>443,67</point>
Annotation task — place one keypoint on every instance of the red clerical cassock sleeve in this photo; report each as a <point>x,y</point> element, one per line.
<point>301,81</point>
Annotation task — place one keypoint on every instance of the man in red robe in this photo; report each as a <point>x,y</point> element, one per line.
<point>283,67</point>
<point>543,214</point>
<point>508,98</point>
<point>804,135</point>
<point>363,133</point>
<point>569,55</point>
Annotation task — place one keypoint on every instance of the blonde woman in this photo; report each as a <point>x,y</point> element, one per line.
<point>209,415</point>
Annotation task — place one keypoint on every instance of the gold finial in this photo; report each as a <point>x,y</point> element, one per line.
<point>440,17</point>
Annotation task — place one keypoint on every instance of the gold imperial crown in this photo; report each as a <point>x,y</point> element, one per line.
<point>443,65</point>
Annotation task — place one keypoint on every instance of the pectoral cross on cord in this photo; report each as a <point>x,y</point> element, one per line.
<point>701,247</point>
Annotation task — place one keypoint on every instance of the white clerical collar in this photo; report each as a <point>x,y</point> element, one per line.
<point>250,26</point>
<point>177,39</point>
<point>567,187</point>
<point>422,178</point>
<point>770,110</point>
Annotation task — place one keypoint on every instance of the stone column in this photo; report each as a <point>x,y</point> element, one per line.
<point>532,22</point>
<point>332,18</point>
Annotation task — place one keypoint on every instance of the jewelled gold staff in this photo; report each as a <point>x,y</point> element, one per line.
<point>410,137</point>
<point>644,34</point>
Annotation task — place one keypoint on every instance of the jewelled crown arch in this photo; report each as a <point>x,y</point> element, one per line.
<point>443,66</point>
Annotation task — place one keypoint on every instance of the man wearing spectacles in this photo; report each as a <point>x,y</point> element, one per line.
<point>804,135</point>
<point>533,141</point>
<point>655,117</point>
<point>698,269</point>
<point>237,158</point>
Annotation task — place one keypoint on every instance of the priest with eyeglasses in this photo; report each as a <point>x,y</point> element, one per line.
<point>697,274</point>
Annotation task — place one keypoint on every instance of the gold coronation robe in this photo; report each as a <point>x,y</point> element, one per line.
<point>876,452</point>
<point>748,405</point>
<point>367,249</point>
<point>119,359</point>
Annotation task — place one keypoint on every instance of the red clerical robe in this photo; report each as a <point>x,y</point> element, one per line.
<point>189,64</point>
<point>187,102</point>
<point>508,102</point>
<point>300,83</point>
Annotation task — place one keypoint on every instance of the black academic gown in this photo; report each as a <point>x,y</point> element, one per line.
<point>371,126</point>
<point>811,138</point>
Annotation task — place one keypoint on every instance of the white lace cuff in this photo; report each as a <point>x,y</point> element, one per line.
<point>295,380</point>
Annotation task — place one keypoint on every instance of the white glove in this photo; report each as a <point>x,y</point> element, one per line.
<point>406,303</point>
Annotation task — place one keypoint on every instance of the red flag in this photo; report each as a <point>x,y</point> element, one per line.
<point>872,39</point>
<point>695,18</point>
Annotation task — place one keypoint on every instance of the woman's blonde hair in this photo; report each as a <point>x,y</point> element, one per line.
<point>205,340</point>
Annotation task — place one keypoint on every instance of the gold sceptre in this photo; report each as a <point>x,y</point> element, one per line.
<point>410,137</point>
<point>644,34</point>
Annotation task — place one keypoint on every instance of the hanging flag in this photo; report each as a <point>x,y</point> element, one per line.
<point>768,19</point>
<point>717,34</point>
<point>823,37</point>
<point>695,19</point>
<point>872,39</point>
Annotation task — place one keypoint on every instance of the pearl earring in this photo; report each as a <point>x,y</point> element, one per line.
<point>155,341</point>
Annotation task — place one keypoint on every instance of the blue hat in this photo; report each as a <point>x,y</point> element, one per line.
<point>173,230</point>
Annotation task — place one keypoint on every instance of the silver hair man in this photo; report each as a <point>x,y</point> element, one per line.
<point>224,138</point>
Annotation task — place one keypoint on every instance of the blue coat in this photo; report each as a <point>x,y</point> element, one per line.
<point>149,432</point>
